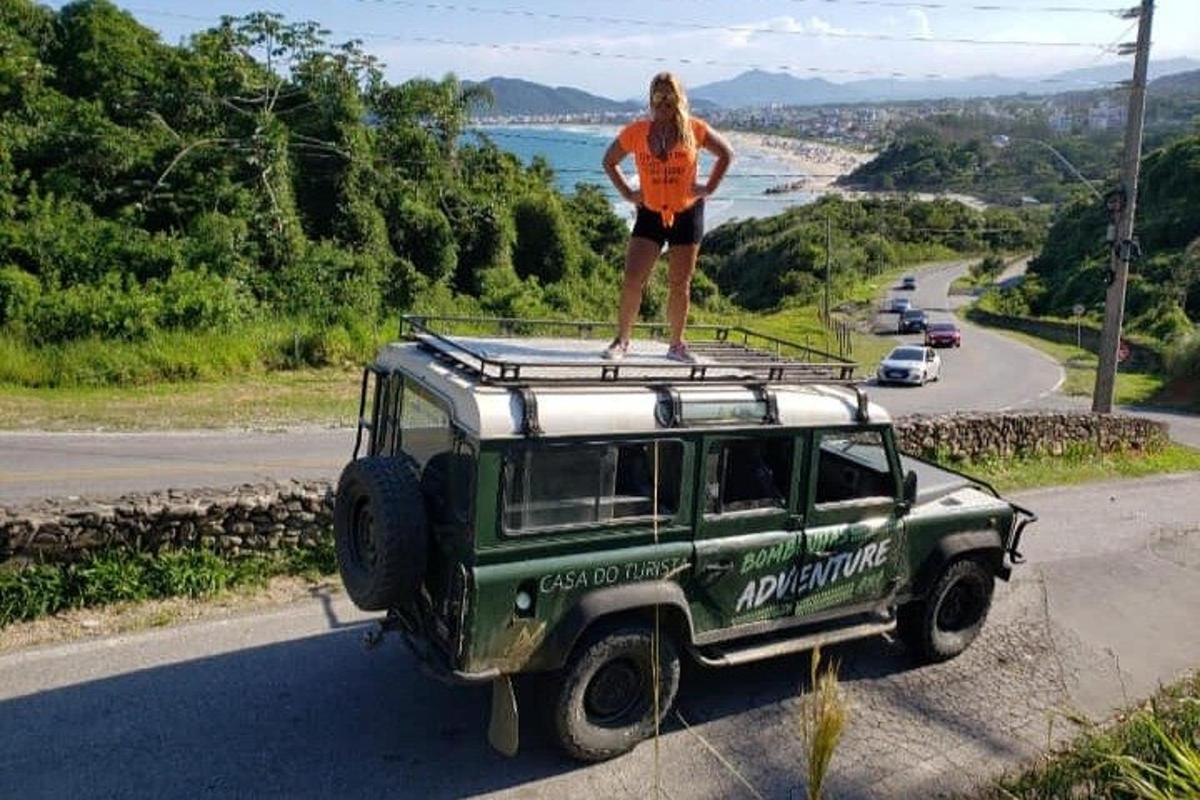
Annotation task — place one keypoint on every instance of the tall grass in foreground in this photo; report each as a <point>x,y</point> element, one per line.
<point>822,720</point>
<point>1150,754</point>
<point>1178,777</point>
<point>113,576</point>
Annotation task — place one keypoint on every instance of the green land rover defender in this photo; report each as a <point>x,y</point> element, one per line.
<point>516,504</point>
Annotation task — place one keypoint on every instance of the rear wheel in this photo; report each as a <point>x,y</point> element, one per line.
<point>605,700</point>
<point>944,624</point>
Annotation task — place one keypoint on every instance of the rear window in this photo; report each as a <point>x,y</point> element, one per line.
<point>587,484</point>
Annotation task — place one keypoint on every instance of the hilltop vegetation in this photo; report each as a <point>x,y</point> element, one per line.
<point>761,263</point>
<point>261,198</point>
<point>1164,287</point>
<point>258,178</point>
<point>952,153</point>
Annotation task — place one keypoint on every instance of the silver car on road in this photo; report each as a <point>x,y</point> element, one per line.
<point>910,364</point>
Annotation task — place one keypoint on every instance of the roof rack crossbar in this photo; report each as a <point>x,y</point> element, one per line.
<point>732,355</point>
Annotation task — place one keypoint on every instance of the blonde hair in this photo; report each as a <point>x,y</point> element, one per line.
<point>679,109</point>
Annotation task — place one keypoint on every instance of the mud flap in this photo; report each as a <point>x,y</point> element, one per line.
<point>504,726</point>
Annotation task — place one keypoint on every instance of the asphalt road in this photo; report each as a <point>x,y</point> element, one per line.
<point>36,465</point>
<point>286,704</point>
<point>988,372</point>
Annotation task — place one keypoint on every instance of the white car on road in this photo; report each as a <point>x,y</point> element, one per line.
<point>910,364</point>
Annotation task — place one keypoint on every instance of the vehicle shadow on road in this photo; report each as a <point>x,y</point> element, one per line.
<point>313,717</point>
<point>317,717</point>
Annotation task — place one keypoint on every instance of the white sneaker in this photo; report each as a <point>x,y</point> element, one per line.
<point>616,351</point>
<point>679,352</point>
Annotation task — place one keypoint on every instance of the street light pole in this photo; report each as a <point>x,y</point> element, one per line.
<point>1002,140</point>
<point>1123,204</point>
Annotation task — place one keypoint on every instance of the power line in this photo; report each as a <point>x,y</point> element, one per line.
<point>931,6</point>
<point>588,53</point>
<point>512,11</point>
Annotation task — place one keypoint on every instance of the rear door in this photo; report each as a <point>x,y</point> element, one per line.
<point>853,526</point>
<point>749,533</point>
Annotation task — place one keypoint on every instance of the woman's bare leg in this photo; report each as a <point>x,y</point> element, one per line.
<point>640,256</point>
<point>681,259</point>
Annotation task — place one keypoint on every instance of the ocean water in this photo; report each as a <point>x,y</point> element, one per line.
<point>574,152</point>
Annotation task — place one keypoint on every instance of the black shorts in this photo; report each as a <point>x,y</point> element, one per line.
<point>688,227</point>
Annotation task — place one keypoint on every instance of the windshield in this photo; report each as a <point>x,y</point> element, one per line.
<point>914,314</point>
<point>941,326</point>
<point>907,354</point>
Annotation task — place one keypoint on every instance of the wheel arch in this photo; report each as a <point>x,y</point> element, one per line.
<point>984,546</point>
<point>610,607</point>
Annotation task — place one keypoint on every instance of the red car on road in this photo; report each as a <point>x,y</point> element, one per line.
<point>943,334</point>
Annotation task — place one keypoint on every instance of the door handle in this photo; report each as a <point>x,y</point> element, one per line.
<point>716,569</point>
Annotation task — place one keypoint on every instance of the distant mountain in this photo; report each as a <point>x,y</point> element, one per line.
<point>758,88</point>
<point>515,97</point>
<point>1179,83</point>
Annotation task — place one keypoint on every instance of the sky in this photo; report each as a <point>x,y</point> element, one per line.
<point>612,47</point>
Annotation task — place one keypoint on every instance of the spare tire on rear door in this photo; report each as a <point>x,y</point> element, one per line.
<point>379,531</point>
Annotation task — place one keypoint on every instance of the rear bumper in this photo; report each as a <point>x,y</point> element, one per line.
<point>435,664</point>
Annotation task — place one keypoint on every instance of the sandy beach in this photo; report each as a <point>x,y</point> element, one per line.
<point>821,163</point>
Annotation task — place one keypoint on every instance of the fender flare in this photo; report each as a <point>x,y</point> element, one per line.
<point>985,545</point>
<point>606,603</point>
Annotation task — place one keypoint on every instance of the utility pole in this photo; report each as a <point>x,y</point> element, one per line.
<point>828,263</point>
<point>1122,205</point>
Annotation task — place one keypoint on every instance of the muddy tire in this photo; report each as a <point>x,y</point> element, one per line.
<point>380,533</point>
<point>604,703</point>
<point>945,623</point>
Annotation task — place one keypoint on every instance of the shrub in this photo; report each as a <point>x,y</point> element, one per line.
<point>197,300</point>
<point>111,309</point>
<point>1183,356</point>
<point>546,246</point>
<point>423,235</point>
<point>19,292</point>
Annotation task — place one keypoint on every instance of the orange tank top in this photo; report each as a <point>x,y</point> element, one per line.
<point>666,183</point>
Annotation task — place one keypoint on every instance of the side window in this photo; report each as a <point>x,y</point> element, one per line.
<point>853,465</point>
<point>424,430</point>
<point>561,485</point>
<point>745,474</point>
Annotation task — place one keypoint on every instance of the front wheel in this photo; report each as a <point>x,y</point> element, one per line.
<point>605,701</point>
<point>944,624</point>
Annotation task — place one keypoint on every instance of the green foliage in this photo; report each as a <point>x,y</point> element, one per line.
<point>258,170</point>
<point>1164,290</point>
<point>1183,357</point>
<point>762,263</point>
<point>1150,753</point>
<point>19,292</point>
<point>545,246</point>
<point>955,153</point>
<point>115,575</point>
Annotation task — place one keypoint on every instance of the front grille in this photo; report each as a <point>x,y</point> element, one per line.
<point>896,373</point>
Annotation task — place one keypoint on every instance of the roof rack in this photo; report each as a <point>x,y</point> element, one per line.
<point>497,350</point>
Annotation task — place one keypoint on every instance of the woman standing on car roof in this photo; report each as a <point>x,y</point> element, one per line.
<point>670,204</point>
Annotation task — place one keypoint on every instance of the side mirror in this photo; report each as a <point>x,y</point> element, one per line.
<point>910,490</point>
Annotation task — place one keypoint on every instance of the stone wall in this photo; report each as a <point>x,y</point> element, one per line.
<point>264,517</point>
<point>250,518</point>
<point>981,435</point>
